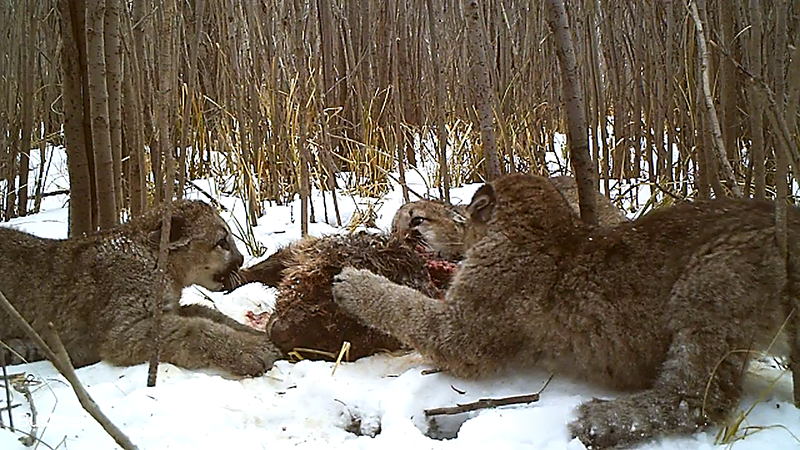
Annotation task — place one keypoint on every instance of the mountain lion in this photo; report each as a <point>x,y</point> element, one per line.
<point>100,292</point>
<point>666,307</point>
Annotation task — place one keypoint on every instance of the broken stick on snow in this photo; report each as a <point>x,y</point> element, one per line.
<point>485,403</point>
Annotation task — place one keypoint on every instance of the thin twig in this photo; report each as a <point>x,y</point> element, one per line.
<point>8,392</point>
<point>161,270</point>
<point>37,440</point>
<point>8,408</point>
<point>485,403</point>
<point>210,198</point>
<point>62,363</point>
<point>30,438</point>
<point>54,193</point>
<point>668,192</point>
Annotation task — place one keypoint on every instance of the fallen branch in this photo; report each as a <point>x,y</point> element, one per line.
<point>486,403</point>
<point>58,356</point>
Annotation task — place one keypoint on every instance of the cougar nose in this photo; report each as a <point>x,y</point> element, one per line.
<point>238,260</point>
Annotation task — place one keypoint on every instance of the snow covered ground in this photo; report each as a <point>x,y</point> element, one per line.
<point>373,403</point>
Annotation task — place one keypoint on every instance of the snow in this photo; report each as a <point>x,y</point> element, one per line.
<point>379,399</point>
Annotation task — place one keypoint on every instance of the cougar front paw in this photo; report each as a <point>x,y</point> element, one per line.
<point>630,419</point>
<point>601,425</point>
<point>255,357</point>
<point>350,287</point>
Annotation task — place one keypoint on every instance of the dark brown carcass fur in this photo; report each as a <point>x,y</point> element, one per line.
<point>305,315</point>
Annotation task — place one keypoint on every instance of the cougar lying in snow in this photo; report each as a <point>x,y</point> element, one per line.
<point>100,292</point>
<point>664,307</point>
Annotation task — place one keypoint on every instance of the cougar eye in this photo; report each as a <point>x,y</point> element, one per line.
<point>223,243</point>
<point>417,221</point>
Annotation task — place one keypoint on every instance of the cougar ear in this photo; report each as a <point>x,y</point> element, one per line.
<point>178,234</point>
<point>482,205</point>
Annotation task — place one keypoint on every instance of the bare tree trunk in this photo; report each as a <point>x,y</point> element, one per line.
<point>728,85</point>
<point>78,10</point>
<point>408,76</point>
<point>399,135</point>
<point>438,78</point>
<point>777,59</point>
<point>134,124</point>
<point>716,133</point>
<point>80,204</point>
<point>245,147</point>
<point>113,57</point>
<point>276,127</point>
<point>304,156</point>
<point>792,85</point>
<point>482,90</point>
<point>13,76</point>
<point>707,174</point>
<point>598,117</point>
<point>778,65</point>
<point>757,152</point>
<point>98,97</point>
<point>327,60</point>
<point>366,41</point>
<point>577,137</point>
<point>670,85</point>
<point>12,170</point>
<point>183,147</point>
<point>28,98</point>
<point>5,88</point>
<point>37,199</point>
<point>132,132</point>
<point>166,21</point>
<point>144,76</point>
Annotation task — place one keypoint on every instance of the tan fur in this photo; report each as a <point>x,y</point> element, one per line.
<point>607,212</point>
<point>657,307</point>
<point>435,226</point>
<point>439,228</point>
<point>100,292</point>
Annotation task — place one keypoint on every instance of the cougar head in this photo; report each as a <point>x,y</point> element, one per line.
<point>435,226</point>
<point>520,206</point>
<point>202,249</point>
